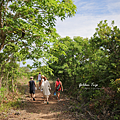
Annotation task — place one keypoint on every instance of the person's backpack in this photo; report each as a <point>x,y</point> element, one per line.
<point>58,87</point>
<point>54,93</point>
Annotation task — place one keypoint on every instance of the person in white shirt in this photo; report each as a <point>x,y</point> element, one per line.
<point>46,89</point>
<point>42,81</point>
<point>39,79</point>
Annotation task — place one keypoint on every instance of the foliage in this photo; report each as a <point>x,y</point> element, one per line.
<point>2,93</point>
<point>44,70</point>
<point>67,55</point>
<point>106,41</point>
<point>24,71</point>
<point>95,60</point>
<point>88,61</point>
<point>27,31</point>
<point>116,84</point>
<point>28,27</point>
<point>105,104</point>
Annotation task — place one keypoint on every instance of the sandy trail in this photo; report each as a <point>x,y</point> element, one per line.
<point>38,110</point>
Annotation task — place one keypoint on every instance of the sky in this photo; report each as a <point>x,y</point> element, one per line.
<point>89,14</point>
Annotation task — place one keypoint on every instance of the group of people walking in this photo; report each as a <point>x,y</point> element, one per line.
<point>44,87</point>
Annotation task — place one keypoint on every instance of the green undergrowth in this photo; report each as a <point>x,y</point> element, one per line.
<point>15,104</point>
<point>11,105</point>
<point>13,100</point>
<point>100,103</point>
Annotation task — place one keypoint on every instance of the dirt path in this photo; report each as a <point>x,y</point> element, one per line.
<point>38,110</point>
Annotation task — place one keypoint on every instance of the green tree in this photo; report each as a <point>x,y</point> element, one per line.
<point>89,61</point>
<point>105,47</point>
<point>27,27</point>
<point>70,57</point>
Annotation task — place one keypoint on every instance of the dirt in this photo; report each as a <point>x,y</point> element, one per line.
<point>38,110</point>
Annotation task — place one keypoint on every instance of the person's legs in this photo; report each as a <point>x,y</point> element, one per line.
<point>34,95</point>
<point>44,99</point>
<point>31,95</point>
<point>41,90</point>
<point>42,95</point>
<point>58,95</point>
<point>39,84</point>
<point>47,99</point>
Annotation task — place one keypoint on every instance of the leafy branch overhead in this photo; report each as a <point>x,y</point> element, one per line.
<point>27,27</point>
<point>31,21</point>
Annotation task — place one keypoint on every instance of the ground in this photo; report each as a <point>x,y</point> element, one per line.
<point>38,110</point>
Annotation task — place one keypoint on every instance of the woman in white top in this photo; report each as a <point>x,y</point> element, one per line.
<point>46,92</point>
<point>42,82</point>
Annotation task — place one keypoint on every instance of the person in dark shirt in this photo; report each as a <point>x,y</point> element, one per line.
<point>32,85</point>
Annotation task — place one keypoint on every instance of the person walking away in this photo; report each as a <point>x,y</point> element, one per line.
<point>42,81</point>
<point>39,79</point>
<point>46,91</point>
<point>32,85</point>
<point>42,84</point>
<point>58,87</point>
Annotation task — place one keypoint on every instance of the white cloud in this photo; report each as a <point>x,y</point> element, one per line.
<point>95,7</point>
<point>114,7</point>
<point>89,14</point>
<point>83,26</point>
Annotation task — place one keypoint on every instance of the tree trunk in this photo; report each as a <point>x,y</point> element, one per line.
<point>12,85</point>
<point>1,81</point>
<point>7,81</point>
<point>2,33</point>
<point>1,77</point>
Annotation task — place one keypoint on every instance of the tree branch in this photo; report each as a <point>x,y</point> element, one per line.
<point>16,15</point>
<point>2,35</point>
<point>5,10</point>
<point>12,41</point>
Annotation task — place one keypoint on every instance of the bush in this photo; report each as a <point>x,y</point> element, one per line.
<point>116,84</point>
<point>2,93</point>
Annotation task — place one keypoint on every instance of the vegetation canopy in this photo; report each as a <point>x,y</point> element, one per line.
<point>28,26</point>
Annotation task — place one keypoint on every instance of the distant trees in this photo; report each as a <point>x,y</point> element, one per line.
<point>94,60</point>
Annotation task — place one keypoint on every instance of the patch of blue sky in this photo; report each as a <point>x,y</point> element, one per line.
<point>97,7</point>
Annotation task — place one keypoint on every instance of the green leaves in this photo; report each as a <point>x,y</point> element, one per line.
<point>95,60</point>
<point>30,25</point>
<point>27,30</point>
<point>68,63</point>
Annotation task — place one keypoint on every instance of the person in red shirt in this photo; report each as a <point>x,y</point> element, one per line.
<point>60,88</point>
